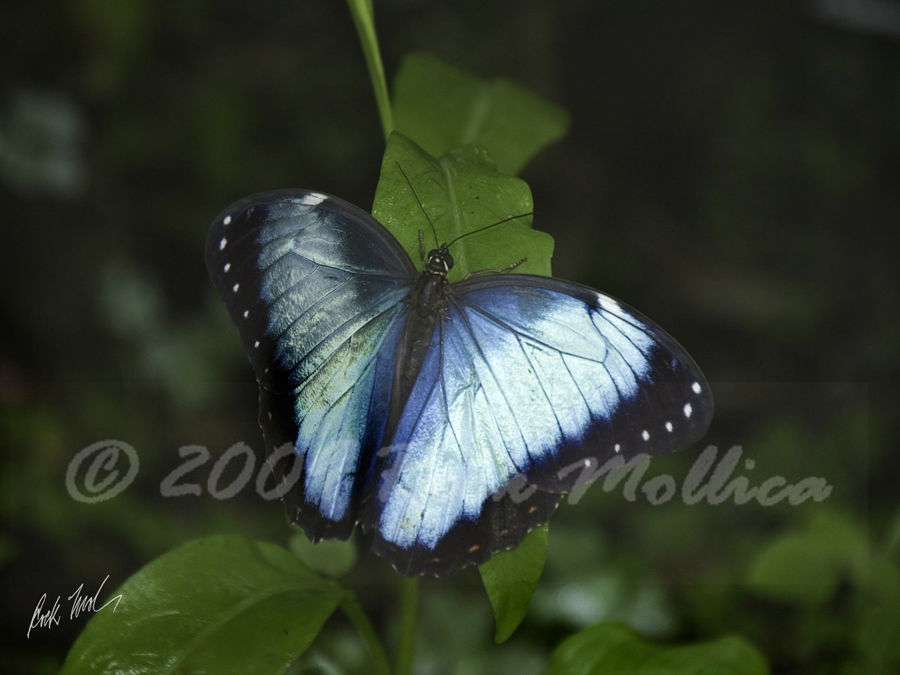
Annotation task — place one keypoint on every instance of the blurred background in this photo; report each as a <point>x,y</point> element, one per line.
<point>732,171</point>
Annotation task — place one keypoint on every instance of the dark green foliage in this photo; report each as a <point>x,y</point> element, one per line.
<point>729,171</point>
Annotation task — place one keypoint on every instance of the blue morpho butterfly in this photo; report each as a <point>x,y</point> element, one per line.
<point>449,419</point>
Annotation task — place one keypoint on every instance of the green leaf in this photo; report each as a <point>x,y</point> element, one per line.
<point>441,107</point>
<point>461,192</point>
<point>510,578</point>
<point>609,648</point>
<point>220,605</point>
<point>794,569</point>
<point>804,568</point>
<point>330,557</point>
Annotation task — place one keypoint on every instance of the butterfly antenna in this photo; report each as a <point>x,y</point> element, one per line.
<point>419,201</point>
<point>487,227</point>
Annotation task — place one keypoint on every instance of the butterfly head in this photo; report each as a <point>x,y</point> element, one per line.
<point>439,261</point>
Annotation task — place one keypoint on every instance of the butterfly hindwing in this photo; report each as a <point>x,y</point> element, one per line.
<point>315,287</point>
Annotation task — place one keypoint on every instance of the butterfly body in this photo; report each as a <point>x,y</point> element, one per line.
<point>450,419</point>
<point>428,302</point>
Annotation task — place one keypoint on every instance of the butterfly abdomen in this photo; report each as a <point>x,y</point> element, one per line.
<point>428,301</point>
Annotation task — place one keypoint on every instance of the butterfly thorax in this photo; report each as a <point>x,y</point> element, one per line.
<point>429,298</point>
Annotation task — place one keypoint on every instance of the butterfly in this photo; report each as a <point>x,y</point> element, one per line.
<point>448,419</point>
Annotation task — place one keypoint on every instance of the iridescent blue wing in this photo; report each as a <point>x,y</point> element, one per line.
<point>315,287</point>
<point>527,378</point>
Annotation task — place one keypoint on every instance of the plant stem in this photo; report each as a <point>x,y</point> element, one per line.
<point>364,19</point>
<point>409,595</point>
<point>351,608</point>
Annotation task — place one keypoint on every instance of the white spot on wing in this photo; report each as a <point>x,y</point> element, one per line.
<point>696,387</point>
<point>669,427</point>
<point>227,266</point>
<point>235,288</point>
<point>618,447</point>
<point>222,244</point>
<point>312,199</point>
<point>645,435</point>
<point>256,346</point>
<point>247,311</point>
<point>227,220</point>
<point>688,410</point>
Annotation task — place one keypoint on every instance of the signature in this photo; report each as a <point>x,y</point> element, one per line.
<point>50,618</point>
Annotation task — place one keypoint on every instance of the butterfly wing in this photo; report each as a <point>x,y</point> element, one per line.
<point>315,287</point>
<point>527,379</point>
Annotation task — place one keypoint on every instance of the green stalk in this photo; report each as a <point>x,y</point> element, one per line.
<point>409,596</point>
<point>364,18</point>
<point>351,608</point>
